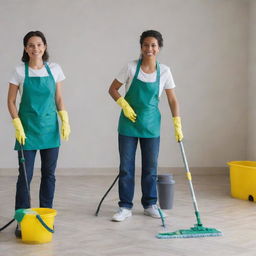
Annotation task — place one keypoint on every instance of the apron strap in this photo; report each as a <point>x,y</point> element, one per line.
<point>26,70</point>
<point>138,68</point>
<point>158,73</point>
<point>48,69</point>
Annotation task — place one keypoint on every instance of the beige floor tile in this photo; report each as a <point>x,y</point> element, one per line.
<point>79,232</point>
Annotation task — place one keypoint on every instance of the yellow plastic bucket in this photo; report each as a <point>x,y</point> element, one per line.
<point>33,231</point>
<point>243,179</point>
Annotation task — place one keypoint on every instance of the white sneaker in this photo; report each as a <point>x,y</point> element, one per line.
<point>122,214</point>
<point>153,212</point>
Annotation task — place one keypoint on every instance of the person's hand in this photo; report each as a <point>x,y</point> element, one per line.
<point>65,127</point>
<point>177,128</point>
<point>127,109</point>
<point>19,131</point>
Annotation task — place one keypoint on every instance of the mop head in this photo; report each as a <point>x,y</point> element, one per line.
<point>197,231</point>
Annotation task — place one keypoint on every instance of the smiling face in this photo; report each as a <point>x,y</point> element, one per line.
<point>35,48</point>
<point>150,47</point>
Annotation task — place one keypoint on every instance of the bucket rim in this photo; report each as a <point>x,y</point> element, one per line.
<point>52,212</point>
<point>240,163</point>
<point>166,182</point>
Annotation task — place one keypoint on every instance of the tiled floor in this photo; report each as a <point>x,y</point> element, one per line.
<point>79,232</point>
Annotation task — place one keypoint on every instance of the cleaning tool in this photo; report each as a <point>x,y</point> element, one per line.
<point>36,223</point>
<point>102,199</point>
<point>162,219</point>
<point>243,179</point>
<point>18,124</point>
<point>22,160</point>
<point>114,182</point>
<point>6,225</point>
<point>165,188</point>
<point>127,109</point>
<point>198,230</point>
<point>112,185</point>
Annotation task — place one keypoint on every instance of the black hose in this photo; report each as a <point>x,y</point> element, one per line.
<point>102,199</point>
<point>5,226</point>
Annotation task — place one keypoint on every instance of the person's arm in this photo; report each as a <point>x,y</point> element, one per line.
<point>11,102</point>
<point>59,98</point>
<point>174,106</point>
<point>173,102</point>
<point>63,114</point>
<point>127,109</point>
<point>113,90</point>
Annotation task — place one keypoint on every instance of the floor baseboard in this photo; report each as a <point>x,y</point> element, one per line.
<point>114,171</point>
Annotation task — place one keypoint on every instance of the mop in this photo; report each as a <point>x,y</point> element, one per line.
<point>198,230</point>
<point>17,215</point>
<point>20,213</point>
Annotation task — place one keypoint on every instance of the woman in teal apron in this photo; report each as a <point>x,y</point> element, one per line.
<point>36,122</point>
<point>140,120</point>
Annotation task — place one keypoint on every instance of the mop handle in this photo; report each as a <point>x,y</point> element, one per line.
<point>22,160</point>
<point>189,177</point>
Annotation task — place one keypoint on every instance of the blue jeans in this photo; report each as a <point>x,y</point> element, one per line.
<point>48,165</point>
<point>149,153</point>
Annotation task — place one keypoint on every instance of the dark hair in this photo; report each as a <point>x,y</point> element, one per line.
<point>25,57</point>
<point>152,33</point>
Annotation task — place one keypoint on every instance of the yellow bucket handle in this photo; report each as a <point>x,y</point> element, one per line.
<point>44,224</point>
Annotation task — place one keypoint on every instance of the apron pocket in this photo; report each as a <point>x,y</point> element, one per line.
<point>48,123</point>
<point>40,125</point>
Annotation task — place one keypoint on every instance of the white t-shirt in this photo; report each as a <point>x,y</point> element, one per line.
<point>127,73</point>
<point>18,75</point>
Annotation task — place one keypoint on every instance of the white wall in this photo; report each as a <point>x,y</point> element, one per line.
<point>205,43</point>
<point>251,138</point>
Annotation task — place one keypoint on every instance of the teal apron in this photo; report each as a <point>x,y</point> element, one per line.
<point>38,112</point>
<point>143,98</point>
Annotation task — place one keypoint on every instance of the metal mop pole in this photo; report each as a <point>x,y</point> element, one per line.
<point>189,177</point>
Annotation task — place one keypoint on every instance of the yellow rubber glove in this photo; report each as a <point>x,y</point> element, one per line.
<point>65,127</point>
<point>177,128</point>
<point>127,109</point>
<point>19,131</point>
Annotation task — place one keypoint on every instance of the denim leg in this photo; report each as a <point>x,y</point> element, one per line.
<point>48,165</point>
<point>127,151</point>
<point>22,199</point>
<point>149,153</point>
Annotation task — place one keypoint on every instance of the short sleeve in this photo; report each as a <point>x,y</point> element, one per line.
<point>15,78</point>
<point>169,83</point>
<point>59,74</point>
<point>123,75</point>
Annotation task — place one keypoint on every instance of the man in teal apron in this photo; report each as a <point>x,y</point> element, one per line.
<point>140,121</point>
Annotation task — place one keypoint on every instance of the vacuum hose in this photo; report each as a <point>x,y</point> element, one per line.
<point>102,199</point>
